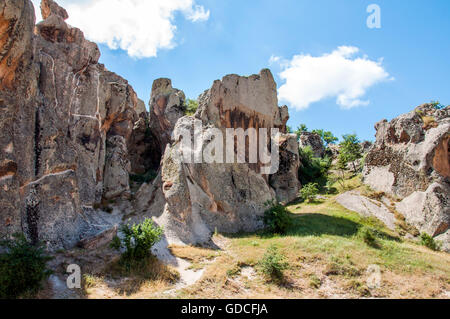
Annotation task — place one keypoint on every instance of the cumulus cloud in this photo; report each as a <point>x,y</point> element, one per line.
<point>340,74</point>
<point>140,27</point>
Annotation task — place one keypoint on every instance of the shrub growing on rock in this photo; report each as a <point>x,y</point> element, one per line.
<point>139,239</point>
<point>277,218</point>
<point>23,267</point>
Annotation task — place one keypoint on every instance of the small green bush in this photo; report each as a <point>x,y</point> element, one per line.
<point>191,107</point>
<point>139,239</point>
<point>116,244</point>
<point>277,218</point>
<point>369,237</point>
<point>428,241</point>
<point>309,192</point>
<point>273,264</point>
<point>23,267</point>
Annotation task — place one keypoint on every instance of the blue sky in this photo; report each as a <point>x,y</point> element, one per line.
<point>241,36</point>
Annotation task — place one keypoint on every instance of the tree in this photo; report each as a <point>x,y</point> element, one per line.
<point>327,136</point>
<point>288,129</point>
<point>191,107</point>
<point>301,129</point>
<point>350,151</point>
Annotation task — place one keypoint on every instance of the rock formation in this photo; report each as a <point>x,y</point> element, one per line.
<point>314,141</point>
<point>73,133</point>
<point>193,199</point>
<point>410,160</point>
<point>67,124</point>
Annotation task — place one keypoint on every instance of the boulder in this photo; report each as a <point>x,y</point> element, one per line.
<point>314,141</point>
<point>410,160</point>
<point>354,201</point>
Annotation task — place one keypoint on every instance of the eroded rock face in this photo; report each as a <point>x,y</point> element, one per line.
<point>167,106</point>
<point>285,182</point>
<point>314,141</point>
<point>67,118</point>
<point>202,197</point>
<point>410,160</point>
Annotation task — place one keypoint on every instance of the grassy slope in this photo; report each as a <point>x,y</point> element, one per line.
<point>327,258</point>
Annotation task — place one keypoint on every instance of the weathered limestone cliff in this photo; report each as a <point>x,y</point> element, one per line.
<point>411,161</point>
<point>67,124</point>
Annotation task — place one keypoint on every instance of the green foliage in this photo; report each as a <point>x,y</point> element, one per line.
<point>116,244</point>
<point>289,129</point>
<point>368,236</point>
<point>309,192</point>
<point>350,151</point>
<point>143,178</point>
<point>273,263</point>
<point>23,267</point>
<point>191,107</point>
<point>437,105</point>
<point>326,136</point>
<point>140,238</point>
<point>313,170</point>
<point>428,241</point>
<point>301,129</point>
<point>277,218</point>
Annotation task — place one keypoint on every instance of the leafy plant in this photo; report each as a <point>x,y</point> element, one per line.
<point>301,129</point>
<point>140,238</point>
<point>191,107</point>
<point>428,241</point>
<point>116,244</point>
<point>273,263</point>
<point>369,237</point>
<point>437,105</point>
<point>313,169</point>
<point>350,151</point>
<point>277,218</point>
<point>309,192</point>
<point>326,136</point>
<point>23,267</point>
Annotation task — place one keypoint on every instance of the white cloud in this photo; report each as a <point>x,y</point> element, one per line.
<point>339,74</point>
<point>140,27</point>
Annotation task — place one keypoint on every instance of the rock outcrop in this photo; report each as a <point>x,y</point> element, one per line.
<point>74,132</point>
<point>314,141</point>
<point>200,196</point>
<point>67,124</point>
<point>410,160</point>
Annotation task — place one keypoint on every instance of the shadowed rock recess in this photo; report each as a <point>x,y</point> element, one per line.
<point>73,132</point>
